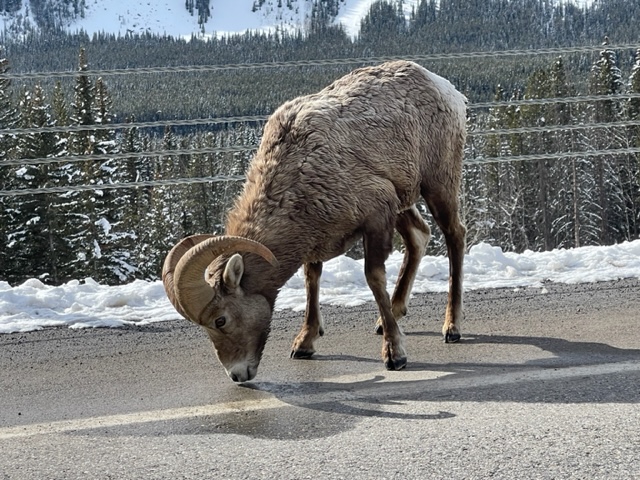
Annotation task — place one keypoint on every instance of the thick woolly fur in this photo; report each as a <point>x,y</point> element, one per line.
<point>361,150</point>
<point>344,164</point>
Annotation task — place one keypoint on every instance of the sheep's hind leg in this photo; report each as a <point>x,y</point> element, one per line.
<point>377,247</point>
<point>415,235</point>
<point>312,327</point>
<point>445,213</point>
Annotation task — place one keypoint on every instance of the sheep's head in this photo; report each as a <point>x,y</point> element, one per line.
<point>202,276</point>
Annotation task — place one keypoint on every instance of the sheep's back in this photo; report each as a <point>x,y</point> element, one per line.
<point>376,124</point>
<point>357,148</point>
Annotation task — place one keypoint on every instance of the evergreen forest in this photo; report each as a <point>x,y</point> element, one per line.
<point>70,138</point>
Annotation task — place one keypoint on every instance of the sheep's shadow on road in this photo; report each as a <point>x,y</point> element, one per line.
<point>577,372</point>
<point>565,353</point>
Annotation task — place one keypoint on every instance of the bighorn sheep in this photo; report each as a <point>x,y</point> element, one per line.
<point>346,163</point>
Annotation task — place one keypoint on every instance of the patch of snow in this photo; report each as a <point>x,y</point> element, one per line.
<point>104,223</point>
<point>34,305</point>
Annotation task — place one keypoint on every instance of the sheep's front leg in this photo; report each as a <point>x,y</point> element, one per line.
<point>377,247</point>
<point>312,327</point>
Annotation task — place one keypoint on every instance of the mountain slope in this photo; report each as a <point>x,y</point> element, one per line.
<point>171,17</point>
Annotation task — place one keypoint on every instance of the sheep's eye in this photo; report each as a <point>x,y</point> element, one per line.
<point>220,322</point>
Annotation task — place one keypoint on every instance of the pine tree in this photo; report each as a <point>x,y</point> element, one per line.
<point>82,231</point>
<point>606,79</point>
<point>167,218</point>
<point>567,204</point>
<point>8,119</point>
<point>201,195</point>
<point>503,181</point>
<point>382,25</point>
<point>83,111</point>
<point>136,218</point>
<point>60,112</point>
<point>536,179</point>
<point>35,244</point>
<point>59,105</point>
<point>475,201</point>
<point>145,216</point>
<point>514,220</point>
<point>424,16</point>
<point>114,236</point>
<point>8,112</point>
<point>633,106</point>
<point>95,217</point>
<point>490,174</point>
<point>204,12</point>
<point>138,169</point>
<point>633,113</point>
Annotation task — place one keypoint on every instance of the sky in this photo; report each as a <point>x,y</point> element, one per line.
<point>87,304</point>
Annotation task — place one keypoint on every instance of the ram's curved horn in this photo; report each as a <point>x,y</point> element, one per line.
<point>170,263</point>
<point>193,293</point>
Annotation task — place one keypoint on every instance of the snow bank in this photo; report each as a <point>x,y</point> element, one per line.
<point>33,305</point>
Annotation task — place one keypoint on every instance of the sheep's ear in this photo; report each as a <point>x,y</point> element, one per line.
<point>233,272</point>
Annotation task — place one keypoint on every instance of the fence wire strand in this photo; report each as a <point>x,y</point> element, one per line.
<point>128,155</point>
<point>322,62</point>
<point>226,178</point>
<point>115,186</point>
<point>263,118</point>
<point>251,148</point>
<point>553,156</point>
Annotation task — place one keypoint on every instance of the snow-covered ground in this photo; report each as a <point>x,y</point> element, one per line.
<point>170,17</point>
<point>227,17</point>
<point>33,305</point>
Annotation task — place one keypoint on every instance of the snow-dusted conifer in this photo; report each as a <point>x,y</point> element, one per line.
<point>633,134</point>
<point>8,119</point>
<point>35,247</point>
<point>167,216</point>
<point>96,213</point>
<point>8,112</point>
<point>633,105</point>
<point>606,79</point>
<point>564,174</point>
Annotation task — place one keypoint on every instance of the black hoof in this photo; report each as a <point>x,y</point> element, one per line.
<point>398,364</point>
<point>451,338</point>
<point>321,332</point>
<point>378,329</point>
<point>302,353</point>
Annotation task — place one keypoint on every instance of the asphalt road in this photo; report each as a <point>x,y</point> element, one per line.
<point>544,384</point>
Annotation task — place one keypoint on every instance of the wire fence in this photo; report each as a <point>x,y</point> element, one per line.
<point>263,118</point>
<point>324,62</point>
<point>260,119</point>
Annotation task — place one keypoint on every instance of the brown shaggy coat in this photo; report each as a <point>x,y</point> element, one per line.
<point>346,163</point>
<point>363,147</point>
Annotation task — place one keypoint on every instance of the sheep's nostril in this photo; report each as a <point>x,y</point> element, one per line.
<point>242,373</point>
